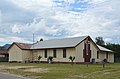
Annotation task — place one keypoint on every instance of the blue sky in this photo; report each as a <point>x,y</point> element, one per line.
<point>50,19</point>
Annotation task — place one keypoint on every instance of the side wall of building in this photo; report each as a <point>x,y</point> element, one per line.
<point>26,55</point>
<point>94,51</point>
<point>19,55</point>
<point>59,54</point>
<point>101,54</point>
<point>15,53</point>
<point>110,57</point>
<point>79,52</point>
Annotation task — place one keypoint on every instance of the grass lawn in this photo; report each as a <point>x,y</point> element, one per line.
<point>67,71</point>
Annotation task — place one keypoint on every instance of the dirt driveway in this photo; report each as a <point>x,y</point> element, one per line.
<point>28,69</point>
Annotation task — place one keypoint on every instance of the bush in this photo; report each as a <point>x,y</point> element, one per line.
<point>50,59</point>
<point>72,59</point>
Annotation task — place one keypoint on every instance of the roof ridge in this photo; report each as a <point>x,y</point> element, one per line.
<point>63,38</point>
<point>64,42</point>
<point>21,43</point>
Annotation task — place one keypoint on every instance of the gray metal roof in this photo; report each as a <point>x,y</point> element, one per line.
<point>58,43</point>
<point>104,49</point>
<point>61,43</point>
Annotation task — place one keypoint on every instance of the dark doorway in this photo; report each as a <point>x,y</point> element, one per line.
<point>87,52</point>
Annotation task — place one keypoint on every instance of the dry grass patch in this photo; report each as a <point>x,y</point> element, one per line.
<point>15,67</point>
<point>37,70</point>
<point>20,67</point>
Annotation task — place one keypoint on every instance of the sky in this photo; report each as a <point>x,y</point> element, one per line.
<point>54,19</point>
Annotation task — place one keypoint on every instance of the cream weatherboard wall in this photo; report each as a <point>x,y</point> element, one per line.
<point>94,50</point>
<point>59,54</point>
<point>26,55</point>
<point>15,53</point>
<point>79,52</point>
<point>19,55</point>
<point>111,57</point>
<point>101,55</point>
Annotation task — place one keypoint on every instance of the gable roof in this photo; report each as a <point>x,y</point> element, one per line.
<point>21,45</point>
<point>65,42</point>
<point>59,43</point>
<point>104,49</point>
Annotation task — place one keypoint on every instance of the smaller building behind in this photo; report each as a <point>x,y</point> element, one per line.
<point>4,56</point>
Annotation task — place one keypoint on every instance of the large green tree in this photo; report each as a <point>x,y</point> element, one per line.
<point>99,40</point>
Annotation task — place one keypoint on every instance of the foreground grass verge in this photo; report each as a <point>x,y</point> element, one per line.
<point>67,71</point>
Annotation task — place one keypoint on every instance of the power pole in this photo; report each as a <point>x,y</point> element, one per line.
<point>33,39</point>
<point>33,49</point>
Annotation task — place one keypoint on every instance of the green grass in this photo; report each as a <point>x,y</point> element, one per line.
<point>67,71</point>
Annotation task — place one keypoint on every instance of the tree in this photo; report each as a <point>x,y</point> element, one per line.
<point>39,57</point>
<point>50,59</point>
<point>99,40</point>
<point>72,59</point>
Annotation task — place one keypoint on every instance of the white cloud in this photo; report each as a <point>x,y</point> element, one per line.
<point>34,5</point>
<point>0,17</point>
<point>95,21</point>
<point>13,39</point>
<point>107,40</point>
<point>15,28</point>
<point>101,18</point>
<point>42,8</point>
<point>31,4</point>
<point>70,1</point>
<point>35,27</point>
<point>1,39</point>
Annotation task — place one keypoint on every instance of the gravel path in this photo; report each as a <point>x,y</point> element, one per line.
<point>11,76</point>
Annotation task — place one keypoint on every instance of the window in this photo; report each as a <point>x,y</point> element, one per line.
<point>54,53</point>
<point>107,55</point>
<point>97,54</point>
<point>64,53</point>
<point>45,53</point>
<point>2,55</point>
